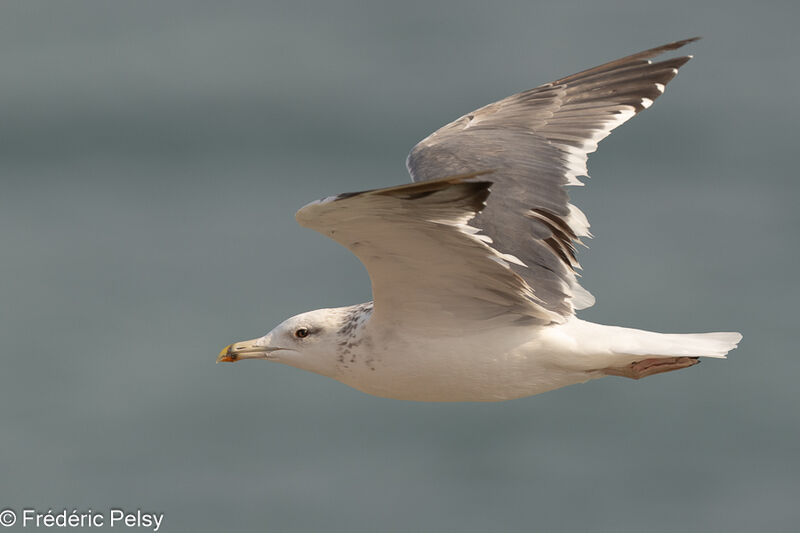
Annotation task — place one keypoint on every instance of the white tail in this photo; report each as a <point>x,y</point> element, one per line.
<point>636,353</point>
<point>639,343</point>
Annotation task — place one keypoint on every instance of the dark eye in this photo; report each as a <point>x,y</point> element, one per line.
<point>301,333</point>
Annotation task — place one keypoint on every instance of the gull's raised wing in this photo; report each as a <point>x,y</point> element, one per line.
<point>428,267</point>
<point>537,142</point>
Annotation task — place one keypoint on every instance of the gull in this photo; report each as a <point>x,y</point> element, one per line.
<point>473,265</point>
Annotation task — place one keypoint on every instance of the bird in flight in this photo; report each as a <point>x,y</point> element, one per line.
<point>473,264</point>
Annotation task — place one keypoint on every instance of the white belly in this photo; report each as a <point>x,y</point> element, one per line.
<point>506,364</point>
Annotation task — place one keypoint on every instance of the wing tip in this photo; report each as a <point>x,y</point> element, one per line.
<point>644,55</point>
<point>674,45</point>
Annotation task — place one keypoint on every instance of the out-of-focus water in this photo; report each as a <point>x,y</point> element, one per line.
<point>152,155</point>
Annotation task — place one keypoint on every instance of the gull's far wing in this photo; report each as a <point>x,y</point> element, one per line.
<point>426,264</point>
<point>537,142</point>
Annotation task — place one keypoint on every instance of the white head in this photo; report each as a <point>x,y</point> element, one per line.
<point>308,341</point>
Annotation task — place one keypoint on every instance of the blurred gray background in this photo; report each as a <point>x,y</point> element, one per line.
<point>152,156</point>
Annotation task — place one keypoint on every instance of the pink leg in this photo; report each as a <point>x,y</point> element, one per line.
<point>650,367</point>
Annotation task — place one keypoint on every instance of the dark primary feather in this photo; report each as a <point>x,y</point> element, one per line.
<point>536,142</point>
